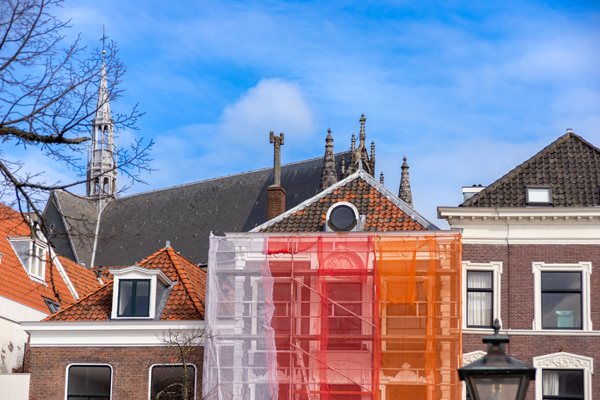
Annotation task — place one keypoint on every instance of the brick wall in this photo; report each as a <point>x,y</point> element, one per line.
<point>131,369</point>
<point>518,300</point>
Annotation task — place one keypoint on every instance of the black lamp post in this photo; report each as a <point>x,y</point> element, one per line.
<point>497,376</point>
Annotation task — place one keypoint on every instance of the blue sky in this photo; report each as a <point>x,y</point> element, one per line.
<point>466,91</point>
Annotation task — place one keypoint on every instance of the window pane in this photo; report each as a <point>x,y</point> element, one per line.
<point>561,310</point>
<point>142,298</point>
<point>342,319</point>
<point>479,279</point>
<point>563,383</point>
<point>89,381</point>
<point>282,296</point>
<point>125,297</point>
<point>561,280</point>
<point>539,195</point>
<point>479,309</point>
<point>171,382</point>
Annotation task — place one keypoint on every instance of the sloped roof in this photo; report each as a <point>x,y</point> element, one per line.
<point>83,279</point>
<point>185,302</point>
<point>384,211</point>
<point>570,165</point>
<point>133,226</point>
<point>17,285</point>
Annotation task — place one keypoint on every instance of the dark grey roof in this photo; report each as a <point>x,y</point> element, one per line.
<point>131,227</point>
<point>569,165</point>
<point>72,220</point>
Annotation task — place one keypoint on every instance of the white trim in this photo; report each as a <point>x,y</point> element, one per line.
<point>586,270</point>
<point>564,360</point>
<point>529,332</point>
<point>172,364</point>
<point>496,268</point>
<point>138,333</point>
<point>88,365</point>
<point>65,277</point>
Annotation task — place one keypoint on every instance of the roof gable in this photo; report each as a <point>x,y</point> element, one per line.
<point>384,211</point>
<point>569,165</point>
<point>185,301</point>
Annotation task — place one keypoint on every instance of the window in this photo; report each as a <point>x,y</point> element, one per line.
<point>481,293</point>
<point>562,296</point>
<point>138,292</point>
<point>344,315</point>
<point>89,382</point>
<point>134,297</point>
<point>52,305</point>
<point>561,300</point>
<point>32,256</point>
<point>563,376</point>
<point>539,195</point>
<point>170,382</point>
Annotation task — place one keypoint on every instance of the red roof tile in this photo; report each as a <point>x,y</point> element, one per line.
<point>16,284</point>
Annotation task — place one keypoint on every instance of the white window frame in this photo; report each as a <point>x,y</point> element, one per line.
<point>585,267</point>
<point>137,273</point>
<point>173,365</point>
<point>112,374</point>
<point>496,268</point>
<point>564,361</point>
<point>33,262</point>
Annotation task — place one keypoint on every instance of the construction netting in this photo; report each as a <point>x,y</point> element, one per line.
<point>327,317</point>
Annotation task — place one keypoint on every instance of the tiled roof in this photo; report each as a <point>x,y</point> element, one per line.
<point>570,165</point>
<point>84,280</point>
<point>16,284</point>
<point>383,210</point>
<point>185,302</point>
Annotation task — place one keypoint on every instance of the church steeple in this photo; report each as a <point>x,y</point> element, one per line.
<point>329,174</point>
<point>101,170</point>
<point>360,153</point>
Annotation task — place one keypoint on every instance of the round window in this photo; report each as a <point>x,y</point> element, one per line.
<point>342,218</point>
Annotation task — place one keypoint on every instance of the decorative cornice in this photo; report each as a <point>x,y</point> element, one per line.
<point>468,358</point>
<point>564,360</point>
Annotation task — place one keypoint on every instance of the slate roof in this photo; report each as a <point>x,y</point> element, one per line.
<point>17,285</point>
<point>133,226</point>
<point>384,211</point>
<point>185,302</point>
<point>570,165</point>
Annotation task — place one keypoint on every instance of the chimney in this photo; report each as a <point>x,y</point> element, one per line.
<point>275,193</point>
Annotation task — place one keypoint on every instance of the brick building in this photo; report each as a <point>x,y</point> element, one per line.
<point>141,339</point>
<point>531,241</point>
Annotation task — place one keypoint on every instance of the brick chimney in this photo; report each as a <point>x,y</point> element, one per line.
<point>275,193</point>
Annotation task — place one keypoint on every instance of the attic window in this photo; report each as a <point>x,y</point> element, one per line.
<point>342,216</point>
<point>134,297</point>
<point>539,195</point>
<point>32,255</point>
<point>52,305</point>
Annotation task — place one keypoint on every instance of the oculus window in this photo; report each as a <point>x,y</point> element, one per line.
<point>561,300</point>
<point>88,382</point>
<point>480,293</point>
<point>134,298</point>
<point>170,382</point>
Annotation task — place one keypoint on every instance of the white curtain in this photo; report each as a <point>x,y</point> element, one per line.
<point>480,303</point>
<point>550,382</point>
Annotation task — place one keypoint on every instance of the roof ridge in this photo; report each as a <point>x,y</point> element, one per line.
<point>151,256</point>
<point>530,160</point>
<point>223,177</point>
<point>79,301</point>
<point>185,280</point>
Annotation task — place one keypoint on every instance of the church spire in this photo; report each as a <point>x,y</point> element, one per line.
<point>101,171</point>
<point>360,153</point>
<point>404,191</point>
<point>329,174</point>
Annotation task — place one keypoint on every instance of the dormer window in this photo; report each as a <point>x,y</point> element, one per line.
<point>137,292</point>
<point>31,254</point>
<point>539,195</point>
<point>134,298</point>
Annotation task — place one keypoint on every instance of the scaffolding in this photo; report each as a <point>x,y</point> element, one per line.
<point>327,317</point>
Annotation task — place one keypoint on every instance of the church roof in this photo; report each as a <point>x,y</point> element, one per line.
<point>383,210</point>
<point>136,225</point>
<point>570,166</point>
<point>185,301</point>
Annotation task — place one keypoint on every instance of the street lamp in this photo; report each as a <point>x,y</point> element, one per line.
<point>497,376</point>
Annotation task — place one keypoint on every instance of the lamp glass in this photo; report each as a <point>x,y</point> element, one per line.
<point>497,388</point>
